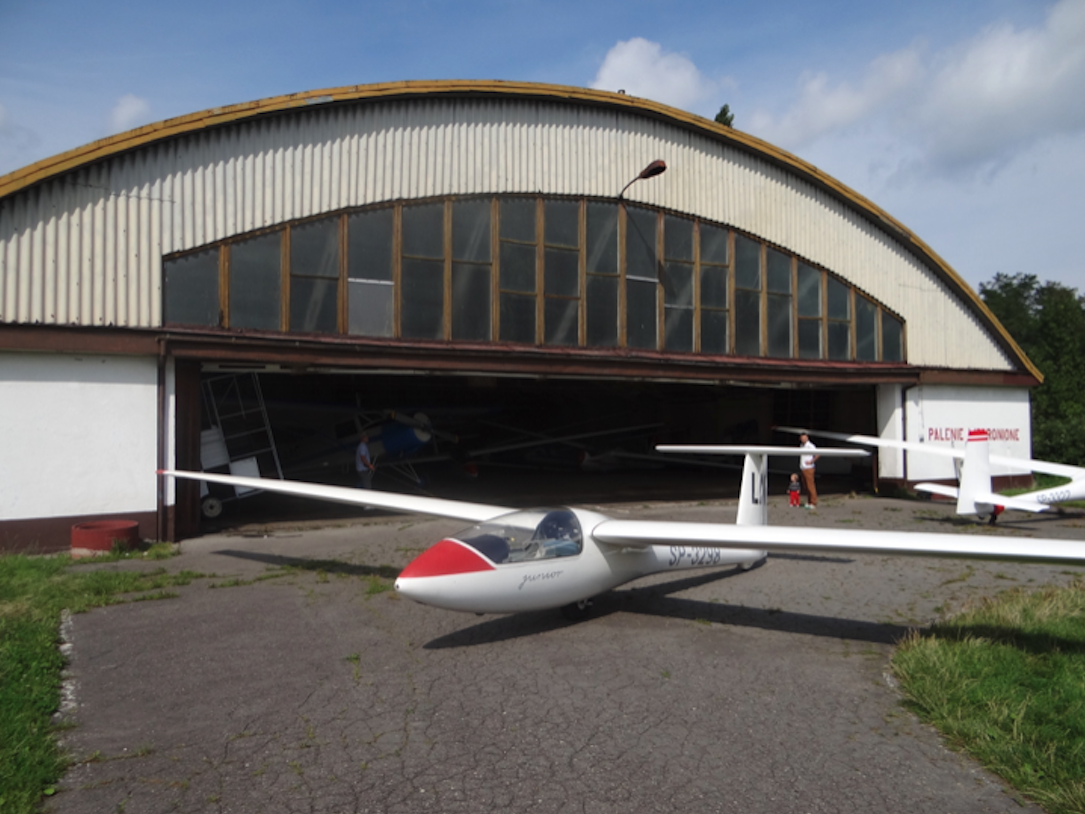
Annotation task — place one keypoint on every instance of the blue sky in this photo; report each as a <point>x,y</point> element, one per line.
<point>965,120</point>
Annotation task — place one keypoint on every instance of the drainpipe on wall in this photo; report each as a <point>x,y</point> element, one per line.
<point>904,427</point>
<point>163,426</point>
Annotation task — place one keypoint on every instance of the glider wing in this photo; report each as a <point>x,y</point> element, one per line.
<point>642,533</point>
<point>394,501</point>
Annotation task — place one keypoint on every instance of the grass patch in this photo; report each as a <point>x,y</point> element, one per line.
<point>1004,681</point>
<point>273,573</point>
<point>33,592</point>
<point>376,584</point>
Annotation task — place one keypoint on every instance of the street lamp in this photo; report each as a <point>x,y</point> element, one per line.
<point>657,167</point>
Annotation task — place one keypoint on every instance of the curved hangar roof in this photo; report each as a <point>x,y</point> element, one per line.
<point>749,241</point>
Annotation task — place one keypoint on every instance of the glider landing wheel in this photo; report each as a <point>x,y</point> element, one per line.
<point>577,611</point>
<point>211,507</point>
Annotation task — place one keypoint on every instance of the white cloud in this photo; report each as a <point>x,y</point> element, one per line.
<point>823,109</point>
<point>1007,89</point>
<point>642,68</point>
<point>130,111</point>
<point>965,110</point>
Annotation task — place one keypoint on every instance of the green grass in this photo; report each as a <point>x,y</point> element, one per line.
<point>1005,681</point>
<point>33,592</point>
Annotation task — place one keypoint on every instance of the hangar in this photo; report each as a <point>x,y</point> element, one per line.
<point>479,253</point>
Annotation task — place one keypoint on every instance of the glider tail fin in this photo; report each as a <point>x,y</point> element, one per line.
<point>975,479</point>
<point>753,505</point>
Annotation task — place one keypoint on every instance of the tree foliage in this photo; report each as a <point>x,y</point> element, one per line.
<point>725,116</point>
<point>1048,321</point>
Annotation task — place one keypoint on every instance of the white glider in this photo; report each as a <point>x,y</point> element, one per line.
<point>513,560</point>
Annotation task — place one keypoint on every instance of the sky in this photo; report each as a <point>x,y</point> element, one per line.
<point>964,120</point>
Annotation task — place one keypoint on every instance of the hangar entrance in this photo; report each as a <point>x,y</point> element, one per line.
<point>496,439</point>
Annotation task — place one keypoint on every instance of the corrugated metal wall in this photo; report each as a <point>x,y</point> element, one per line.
<point>86,247</point>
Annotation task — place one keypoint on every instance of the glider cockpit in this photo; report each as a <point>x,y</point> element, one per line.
<point>520,559</point>
<point>536,534</point>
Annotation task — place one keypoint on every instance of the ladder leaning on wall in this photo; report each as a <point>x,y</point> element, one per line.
<point>239,440</point>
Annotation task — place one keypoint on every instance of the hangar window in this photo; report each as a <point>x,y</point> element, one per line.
<point>747,296</point>
<point>370,270</point>
<point>602,275</point>
<point>561,266</point>
<point>192,289</point>
<point>528,269</point>
<point>517,263</point>
<point>808,284</point>
<point>892,338</point>
<point>839,322</point>
<point>778,303</point>
<point>678,293</point>
<point>255,282</point>
<point>641,278</point>
<point>422,291</point>
<point>471,265</point>
<point>713,289</point>
<point>314,276</point>
<point>866,329</point>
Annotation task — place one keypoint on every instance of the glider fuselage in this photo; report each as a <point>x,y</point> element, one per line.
<point>541,559</point>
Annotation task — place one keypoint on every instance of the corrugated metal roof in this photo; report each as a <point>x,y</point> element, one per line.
<point>82,234</point>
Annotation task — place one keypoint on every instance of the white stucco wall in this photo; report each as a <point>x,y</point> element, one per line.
<point>78,435</point>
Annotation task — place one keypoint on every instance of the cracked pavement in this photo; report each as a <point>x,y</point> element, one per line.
<point>307,686</point>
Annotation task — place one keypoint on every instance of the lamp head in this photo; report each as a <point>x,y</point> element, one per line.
<point>657,167</point>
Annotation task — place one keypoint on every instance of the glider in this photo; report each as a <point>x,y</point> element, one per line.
<point>512,560</point>
<point>975,494</point>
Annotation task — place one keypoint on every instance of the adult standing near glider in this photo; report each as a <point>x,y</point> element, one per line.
<point>363,464</point>
<point>806,468</point>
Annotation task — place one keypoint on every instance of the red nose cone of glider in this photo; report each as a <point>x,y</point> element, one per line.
<point>445,558</point>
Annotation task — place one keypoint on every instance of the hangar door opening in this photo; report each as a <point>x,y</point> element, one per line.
<point>521,441</point>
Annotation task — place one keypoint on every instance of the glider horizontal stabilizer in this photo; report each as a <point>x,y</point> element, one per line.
<point>1020,503</point>
<point>735,449</point>
<point>938,489</point>
<point>989,498</point>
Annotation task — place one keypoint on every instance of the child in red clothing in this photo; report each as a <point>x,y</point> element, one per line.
<point>794,489</point>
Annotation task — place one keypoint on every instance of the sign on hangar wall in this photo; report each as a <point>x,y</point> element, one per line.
<point>942,416</point>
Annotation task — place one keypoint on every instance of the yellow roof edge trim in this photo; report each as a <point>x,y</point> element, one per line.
<point>48,168</point>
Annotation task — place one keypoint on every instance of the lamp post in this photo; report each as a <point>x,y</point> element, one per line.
<point>657,167</point>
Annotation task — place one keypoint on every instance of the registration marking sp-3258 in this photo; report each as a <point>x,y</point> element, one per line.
<point>695,556</point>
